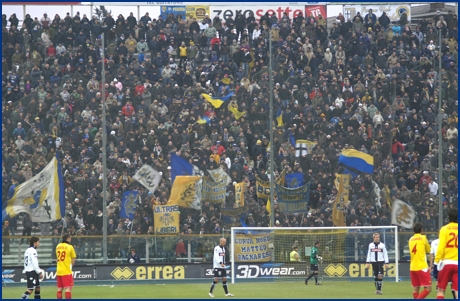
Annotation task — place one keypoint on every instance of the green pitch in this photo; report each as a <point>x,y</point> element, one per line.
<point>255,290</point>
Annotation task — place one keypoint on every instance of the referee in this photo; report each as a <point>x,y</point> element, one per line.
<point>377,255</point>
<point>219,268</point>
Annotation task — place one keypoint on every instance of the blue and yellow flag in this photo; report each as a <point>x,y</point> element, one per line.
<point>204,120</point>
<point>234,217</point>
<point>42,196</point>
<point>293,200</point>
<point>237,114</point>
<point>294,180</point>
<point>358,160</point>
<point>129,204</point>
<point>186,192</point>
<point>279,117</point>
<point>180,167</point>
<point>217,101</point>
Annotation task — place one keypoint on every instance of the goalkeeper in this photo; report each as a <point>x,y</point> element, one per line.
<point>314,260</point>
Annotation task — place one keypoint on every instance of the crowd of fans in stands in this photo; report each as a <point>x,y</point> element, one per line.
<point>366,83</point>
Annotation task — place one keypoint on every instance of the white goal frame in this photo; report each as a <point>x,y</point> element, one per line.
<point>255,229</point>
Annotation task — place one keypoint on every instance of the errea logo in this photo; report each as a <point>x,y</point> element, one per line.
<point>122,273</point>
<point>335,270</point>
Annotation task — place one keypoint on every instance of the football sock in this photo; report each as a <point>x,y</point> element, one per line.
<point>311,275</point>
<point>423,294</point>
<point>376,284</point>
<point>37,295</point>
<point>439,297</point>
<point>379,285</point>
<point>212,286</point>
<point>453,294</point>
<point>59,295</point>
<point>25,295</point>
<point>415,295</point>
<point>224,284</point>
<point>316,278</point>
<point>68,295</point>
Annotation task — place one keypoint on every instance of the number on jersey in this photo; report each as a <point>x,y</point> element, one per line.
<point>453,241</point>
<point>61,256</point>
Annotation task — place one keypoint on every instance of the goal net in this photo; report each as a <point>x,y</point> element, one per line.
<point>264,253</point>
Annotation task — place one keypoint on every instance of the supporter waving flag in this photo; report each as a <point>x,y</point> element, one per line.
<point>358,160</point>
<point>217,101</point>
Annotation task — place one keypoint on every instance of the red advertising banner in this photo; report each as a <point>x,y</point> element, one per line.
<point>316,10</point>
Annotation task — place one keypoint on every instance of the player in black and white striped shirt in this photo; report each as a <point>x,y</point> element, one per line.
<point>219,268</point>
<point>377,255</point>
<point>33,272</point>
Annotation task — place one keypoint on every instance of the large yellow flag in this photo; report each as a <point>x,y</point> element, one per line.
<point>186,192</point>
<point>342,183</point>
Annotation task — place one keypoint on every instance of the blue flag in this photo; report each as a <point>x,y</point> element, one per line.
<point>180,167</point>
<point>292,139</point>
<point>360,161</point>
<point>349,172</point>
<point>279,117</point>
<point>227,97</point>
<point>294,180</point>
<point>233,217</point>
<point>128,204</point>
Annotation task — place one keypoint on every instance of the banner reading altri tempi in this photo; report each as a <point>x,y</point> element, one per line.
<point>166,219</point>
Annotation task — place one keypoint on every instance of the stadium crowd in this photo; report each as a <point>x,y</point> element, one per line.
<point>367,83</point>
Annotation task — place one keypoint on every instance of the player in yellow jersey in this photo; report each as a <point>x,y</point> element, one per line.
<point>419,270</point>
<point>447,255</point>
<point>65,255</point>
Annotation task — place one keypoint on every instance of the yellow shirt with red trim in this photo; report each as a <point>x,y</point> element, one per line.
<point>64,255</point>
<point>418,247</point>
<point>448,244</point>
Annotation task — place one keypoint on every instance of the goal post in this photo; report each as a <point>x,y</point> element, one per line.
<point>264,253</point>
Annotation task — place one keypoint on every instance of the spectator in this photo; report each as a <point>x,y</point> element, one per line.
<point>180,249</point>
<point>133,257</point>
<point>367,83</point>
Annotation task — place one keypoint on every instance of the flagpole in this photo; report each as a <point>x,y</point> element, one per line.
<point>272,173</point>
<point>129,240</point>
<point>440,163</point>
<point>104,159</point>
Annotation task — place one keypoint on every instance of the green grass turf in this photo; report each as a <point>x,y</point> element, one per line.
<point>254,290</point>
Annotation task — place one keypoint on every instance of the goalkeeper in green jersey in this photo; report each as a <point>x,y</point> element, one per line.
<point>314,260</point>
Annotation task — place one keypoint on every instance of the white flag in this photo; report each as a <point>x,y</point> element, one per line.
<point>148,177</point>
<point>40,196</point>
<point>402,214</point>
<point>218,174</point>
